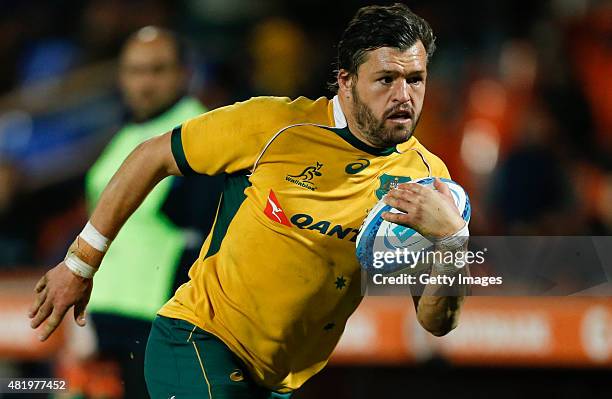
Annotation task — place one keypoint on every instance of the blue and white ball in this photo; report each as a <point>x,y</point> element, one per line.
<point>378,237</point>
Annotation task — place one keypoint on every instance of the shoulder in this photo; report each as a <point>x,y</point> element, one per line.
<point>261,115</point>
<point>300,109</point>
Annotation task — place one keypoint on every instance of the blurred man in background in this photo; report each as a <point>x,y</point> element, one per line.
<point>153,249</point>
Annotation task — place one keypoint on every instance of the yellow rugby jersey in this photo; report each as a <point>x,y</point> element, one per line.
<point>278,277</point>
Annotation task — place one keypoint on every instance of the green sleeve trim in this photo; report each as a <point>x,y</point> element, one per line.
<point>179,153</point>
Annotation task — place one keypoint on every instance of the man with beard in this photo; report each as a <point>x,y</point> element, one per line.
<point>278,278</point>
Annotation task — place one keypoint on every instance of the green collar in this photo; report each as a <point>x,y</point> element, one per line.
<point>350,138</point>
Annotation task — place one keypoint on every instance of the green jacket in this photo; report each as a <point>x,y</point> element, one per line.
<point>137,273</point>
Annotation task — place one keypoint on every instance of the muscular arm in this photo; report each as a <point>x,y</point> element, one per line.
<point>439,306</point>
<point>146,166</point>
<point>438,314</point>
<point>60,289</point>
<point>435,215</point>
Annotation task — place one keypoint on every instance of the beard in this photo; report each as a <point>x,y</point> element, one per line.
<point>375,130</point>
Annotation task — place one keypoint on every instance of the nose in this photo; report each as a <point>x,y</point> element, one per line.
<point>401,93</point>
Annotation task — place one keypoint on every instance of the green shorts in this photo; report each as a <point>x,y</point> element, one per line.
<point>183,361</point>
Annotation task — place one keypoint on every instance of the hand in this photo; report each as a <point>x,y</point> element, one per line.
<point>55,293</point>
<point>431,213</point>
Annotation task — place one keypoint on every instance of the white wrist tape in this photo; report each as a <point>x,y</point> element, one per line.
<point>94,238</point>
<point>446,268</point>
<point>79,267</point>
<point>454,241</point>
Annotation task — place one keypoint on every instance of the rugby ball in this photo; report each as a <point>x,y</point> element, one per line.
<point>378,237</point>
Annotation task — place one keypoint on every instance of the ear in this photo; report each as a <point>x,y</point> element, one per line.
<point>345,82</point>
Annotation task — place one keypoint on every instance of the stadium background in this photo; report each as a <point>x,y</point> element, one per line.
<point>519,105</point>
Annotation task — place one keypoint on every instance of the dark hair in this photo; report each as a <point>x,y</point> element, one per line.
<point>374,27</point>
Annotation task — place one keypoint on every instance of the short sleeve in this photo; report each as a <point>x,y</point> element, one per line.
<point>229,139</point>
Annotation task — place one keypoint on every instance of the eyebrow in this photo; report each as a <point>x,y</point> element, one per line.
<point>396,72</point>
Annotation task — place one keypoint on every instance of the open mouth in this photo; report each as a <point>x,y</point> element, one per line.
<point>400,116</point>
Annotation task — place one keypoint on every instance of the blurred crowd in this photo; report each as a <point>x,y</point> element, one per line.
<point>519,103</point>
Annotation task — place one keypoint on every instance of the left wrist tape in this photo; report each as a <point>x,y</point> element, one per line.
<point>78,266</point>
<point>94,238</point>
<point>454,241</point>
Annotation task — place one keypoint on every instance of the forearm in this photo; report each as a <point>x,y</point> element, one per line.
<point>127,189</point>
<point>439,306</point>
<point>146,166</point>
<point>439,314</point>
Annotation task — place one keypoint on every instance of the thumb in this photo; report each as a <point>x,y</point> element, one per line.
<point>442,187</point>
<point>79,313</point>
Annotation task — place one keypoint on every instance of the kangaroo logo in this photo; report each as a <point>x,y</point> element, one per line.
<point>275,210</point>
<point>309,173</point>
<point>305,178</point>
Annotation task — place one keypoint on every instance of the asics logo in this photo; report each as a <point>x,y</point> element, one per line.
<point>356,167</point>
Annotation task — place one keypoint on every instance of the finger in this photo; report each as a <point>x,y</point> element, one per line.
<point>397,218</point>
<point>39,300</point>
<point>442,188</point>
<point>41,284</point>
<point>44,312</point>
<point>402,195</point>
<point>396,203</point>
<point>445,191</point>
<point>53,322</point>
<point>79,313</point>
<point>402,203</point>
<point>409,187</point>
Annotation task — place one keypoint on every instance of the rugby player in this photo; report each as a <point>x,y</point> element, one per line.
<point>277,279</point>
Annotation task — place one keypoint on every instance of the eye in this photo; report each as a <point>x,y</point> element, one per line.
<point>415,80</point>
<point>386,80</point>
